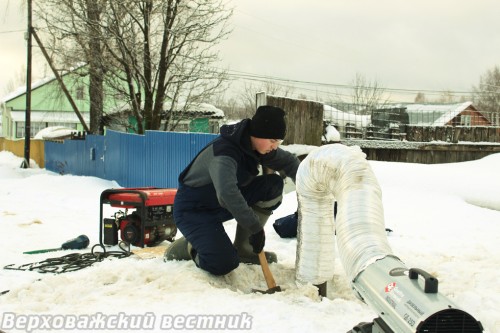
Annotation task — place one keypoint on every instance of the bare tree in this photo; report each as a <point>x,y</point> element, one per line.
<point>487,93</point>
<point>233,110</point>
<point>366,94</point>
<point>363,96</point>
<point>94,56</point>
<point>70,33</point>
<point>17,81</point>
<point>156,56</point>
<point>446,97</point>
<point>420,98</point>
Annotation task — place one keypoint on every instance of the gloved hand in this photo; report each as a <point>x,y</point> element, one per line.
<point>257,241</point>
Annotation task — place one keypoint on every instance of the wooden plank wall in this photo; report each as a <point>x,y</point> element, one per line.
<point>17,148</point>
<point>432,154</point>
<point>305,126</point>
<point>304,119</point>
<point>453,133</point>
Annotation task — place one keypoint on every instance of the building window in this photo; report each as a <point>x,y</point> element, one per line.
<point>38,126</point>
<point>182,127</point>
<point>214,127</point>
<point>465,120</point>
<point>80,93</point>
<point>19,129</point>
<point>67,125</point>
<point>35,128</point>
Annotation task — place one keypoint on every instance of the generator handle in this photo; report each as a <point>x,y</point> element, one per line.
<point>105,194</point>
<point>431,283</point>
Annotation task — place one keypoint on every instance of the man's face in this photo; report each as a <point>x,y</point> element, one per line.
<point>264,146</point>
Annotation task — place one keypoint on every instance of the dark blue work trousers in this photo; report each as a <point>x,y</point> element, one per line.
<point>199,216</point>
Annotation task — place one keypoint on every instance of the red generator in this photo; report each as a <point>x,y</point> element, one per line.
<point>150,223</point>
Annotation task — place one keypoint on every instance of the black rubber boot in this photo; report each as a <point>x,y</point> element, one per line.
<point>242,245</point>
<point>180,249</point>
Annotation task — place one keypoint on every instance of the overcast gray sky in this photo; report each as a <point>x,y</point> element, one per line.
<point>402,44</point>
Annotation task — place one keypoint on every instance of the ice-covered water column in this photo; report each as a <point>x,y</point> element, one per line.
<point>404,302</point>
<point>338,173</point>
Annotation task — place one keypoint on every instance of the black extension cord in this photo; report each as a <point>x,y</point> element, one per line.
<point>73,261</point>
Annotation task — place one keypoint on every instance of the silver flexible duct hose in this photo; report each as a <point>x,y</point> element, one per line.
<point>338,173</point>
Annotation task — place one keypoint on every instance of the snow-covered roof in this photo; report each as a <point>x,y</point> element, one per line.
<point>434,114</point>
<point>22,89</point>
<point>341,118</point>
<point>38,83</point>
<point>194,108</point>
<point>199,109</point>
<point>206,109</point>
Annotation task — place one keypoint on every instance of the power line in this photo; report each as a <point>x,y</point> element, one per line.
<point>11,31</point>
<point>259,77</point>
<point>293,32</point>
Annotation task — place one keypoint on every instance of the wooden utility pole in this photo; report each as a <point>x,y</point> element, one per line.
<point>61,82</point>
<point>27,121</point>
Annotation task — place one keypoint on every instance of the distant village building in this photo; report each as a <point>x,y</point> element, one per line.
<point>349,124</point>
<point>391,120</point>
<point>50,108</point>
<point>195,117</point>
<point>200,117</point>
<point>458,114</point>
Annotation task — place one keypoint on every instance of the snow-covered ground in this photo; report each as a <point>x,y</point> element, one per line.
<point>445,219</point>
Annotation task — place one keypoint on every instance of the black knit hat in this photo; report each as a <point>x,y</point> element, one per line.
<point>268,123</point>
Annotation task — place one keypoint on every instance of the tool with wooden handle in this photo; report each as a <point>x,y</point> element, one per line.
<point>271,284</point>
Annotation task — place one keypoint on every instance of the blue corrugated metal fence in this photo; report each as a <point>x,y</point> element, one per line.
<point>153,159</point>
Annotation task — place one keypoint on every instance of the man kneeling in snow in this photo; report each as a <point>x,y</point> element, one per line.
<point>221,183</point>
